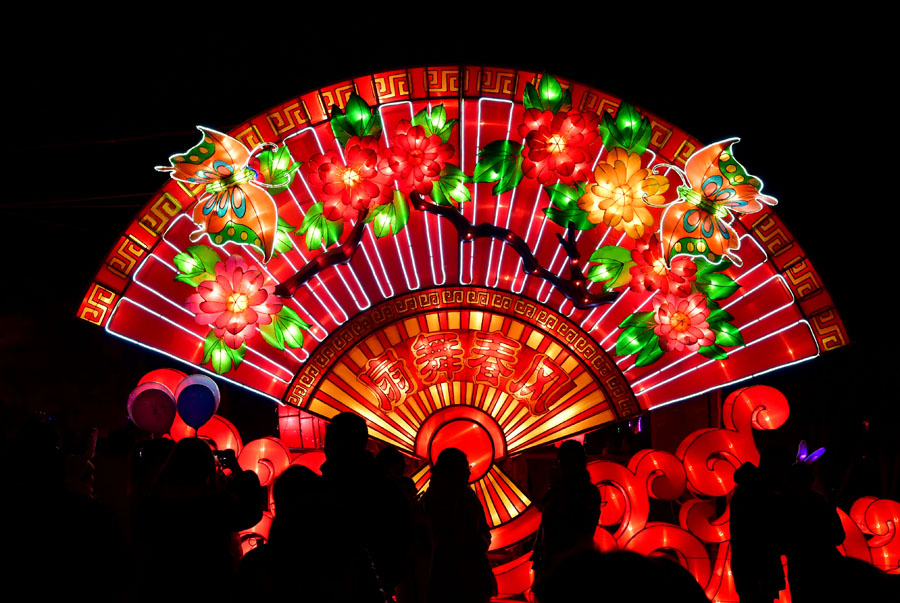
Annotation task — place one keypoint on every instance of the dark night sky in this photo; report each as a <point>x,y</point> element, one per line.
<point>94,112</point>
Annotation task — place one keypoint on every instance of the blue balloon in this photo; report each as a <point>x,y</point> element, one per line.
<point>197,400</point>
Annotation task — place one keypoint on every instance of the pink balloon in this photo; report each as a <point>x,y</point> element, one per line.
<point>152,407</point>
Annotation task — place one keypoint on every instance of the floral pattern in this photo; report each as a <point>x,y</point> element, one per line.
<point>416,159</point>
<point>681,322</point>
<point>353,183</point>
<point>556,145</point>
<point>621,193</point>
<point>235,302</point>
<point>650,272</point>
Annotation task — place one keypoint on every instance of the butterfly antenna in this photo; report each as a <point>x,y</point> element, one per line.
<point>677,170</point>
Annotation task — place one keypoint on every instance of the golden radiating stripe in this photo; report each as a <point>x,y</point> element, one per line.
<point>412,327</point>
<point>570,364</point>
<point>346,375</point>
<point>581,382</point>
<point>453,320</point>
<point>605,417</point>
<point>515,330</point>
<point>457,394</point>
<point>520,411</point>
<point>393,334</point>
<point>433,322</point>
<point>357,356</point>
<point>510,508</point>
<point>374,345</point>
<point>593,399</point>
<point>418,474</point>
<point>415,402</point>
<point>495,517</point>
<point>512,486</point>
<point>424,486</point>
<point>475,320</point>
<point>553,350</point>
<point>321,408</point>
<point>534,340</point>
<point>445,396</point>
<point>496,322</point>
<point>410,418</point>
<point>335,392</point>
<point>500,399</point>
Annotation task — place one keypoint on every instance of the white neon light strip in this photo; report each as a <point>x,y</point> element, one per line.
<point>198,338</point>
<point>769,370</point>
<point>470,248</point>
<point>462,165</point>
<point>487,273</point>
<point>181,360</point>
<point>527,235</point>
<point>732,354</point>
<point>429,220</point>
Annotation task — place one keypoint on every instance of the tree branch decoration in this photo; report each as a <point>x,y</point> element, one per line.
<point>573,287</point>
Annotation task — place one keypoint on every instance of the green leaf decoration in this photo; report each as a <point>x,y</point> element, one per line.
<point>222,357</point>
<point>500,162</point>
<point>713,351</point>
<point>277,169</point>
<point>727,334</point>
<point>390,218</point>
<point>319,230</point>
<point>435,122</point>
<point>451,186</point>
<point>628,130</point>
<point>196,265</point>
<point>634,338</point>
<point>638,318</point>
<point>285,330</point>
<point>548,95</point>
<point>564,208</point>
<point>717,314</point>
<point>283,242</point>
<point>705,267</point>
<point>715,285</point>
<point>650,353</point>
<point>357,119</point>
<point>614,267</point>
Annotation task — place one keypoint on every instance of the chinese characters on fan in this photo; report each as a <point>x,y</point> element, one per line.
<point>489,358</point>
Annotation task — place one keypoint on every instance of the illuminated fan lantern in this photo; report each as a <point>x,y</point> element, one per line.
<point>455,254</point>
<point>197,400</point>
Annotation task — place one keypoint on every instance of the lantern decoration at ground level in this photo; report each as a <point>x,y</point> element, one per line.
<point>488,258</point>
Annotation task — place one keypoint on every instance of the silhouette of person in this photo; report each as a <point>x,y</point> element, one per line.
<point>460,537</point>
<point>756,528</point>
<point>373,512</point>
<point>570,510</point>
<point>589,575</point>
<point>814,532</point>
<point>186,538</point>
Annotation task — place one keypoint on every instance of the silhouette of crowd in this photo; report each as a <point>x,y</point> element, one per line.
<point>359,533</point>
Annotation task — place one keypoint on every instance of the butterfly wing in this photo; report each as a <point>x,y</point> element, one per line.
<point>216,156</point>
<point>688,229</point>
<point>244,214</point>
<point>718,186</point>
<point>233,211</point>
<point>715,173</point>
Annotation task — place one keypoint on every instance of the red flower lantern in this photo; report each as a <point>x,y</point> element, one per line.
<point>352,182</point>
<point>556,145</point>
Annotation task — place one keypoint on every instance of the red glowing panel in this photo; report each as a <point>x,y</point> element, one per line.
<point>472,439</point>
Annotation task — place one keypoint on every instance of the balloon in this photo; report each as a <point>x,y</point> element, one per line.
<point>168,377</point>
<point>152,407</point>
<point>197,398</point>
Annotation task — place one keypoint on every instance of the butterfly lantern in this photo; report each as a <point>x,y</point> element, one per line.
<point>235,205</point>
<point>698,222</point>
